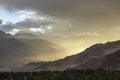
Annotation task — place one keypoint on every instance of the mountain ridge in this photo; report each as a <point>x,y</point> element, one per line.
<point>97,50</point>
<point>109,62</point>
<point>16,52</point>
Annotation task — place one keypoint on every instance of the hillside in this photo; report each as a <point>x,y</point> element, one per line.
<point>95,51</point>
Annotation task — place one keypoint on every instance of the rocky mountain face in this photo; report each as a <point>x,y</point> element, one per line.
<point>85,59</point>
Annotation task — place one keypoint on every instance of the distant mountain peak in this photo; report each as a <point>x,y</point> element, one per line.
<point>5,35</point>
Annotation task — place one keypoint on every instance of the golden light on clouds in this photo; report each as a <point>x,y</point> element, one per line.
<point>72,25</point>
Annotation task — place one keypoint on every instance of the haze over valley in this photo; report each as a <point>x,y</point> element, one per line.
<point>40,34</point>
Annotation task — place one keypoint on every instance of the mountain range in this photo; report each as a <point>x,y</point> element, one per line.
<point>105,56</point>
<point>17,51</point>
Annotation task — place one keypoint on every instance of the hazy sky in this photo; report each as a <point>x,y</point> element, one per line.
<point>72,24</point>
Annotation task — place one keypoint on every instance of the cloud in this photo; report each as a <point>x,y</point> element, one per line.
<point>39,26</point>
<point>76,21</point>
<point>65,7</point>
<point>83,15</point>
<point>87,34</point>
<point>89,14</point>
<point>26,25</point>
<point>26,12</point>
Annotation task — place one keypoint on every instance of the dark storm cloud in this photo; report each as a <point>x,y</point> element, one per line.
<point>64,8</point>
<point>88,13</point>
<point>7,27</point>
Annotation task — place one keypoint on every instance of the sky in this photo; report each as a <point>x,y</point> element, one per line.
<point>74,25</point>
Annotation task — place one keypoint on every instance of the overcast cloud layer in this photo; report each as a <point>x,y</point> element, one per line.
<point>72,24</point>
<point>89,14</point>
<point>76,17</point>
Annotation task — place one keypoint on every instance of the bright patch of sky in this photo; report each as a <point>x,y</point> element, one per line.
<point>26,14</point>
<point>14,17</point>
<point>14,31</point>
<point>41,30</point>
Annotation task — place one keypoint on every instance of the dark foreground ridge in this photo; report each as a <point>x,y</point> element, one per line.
<point>98,74</point>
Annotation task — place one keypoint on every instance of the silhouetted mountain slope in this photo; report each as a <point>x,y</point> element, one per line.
<point>110,61</point>
<point>98,50</point>
<point>5,35</point>
<point>14,52</point>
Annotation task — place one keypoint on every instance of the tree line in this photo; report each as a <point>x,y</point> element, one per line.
<point>98,74</point>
